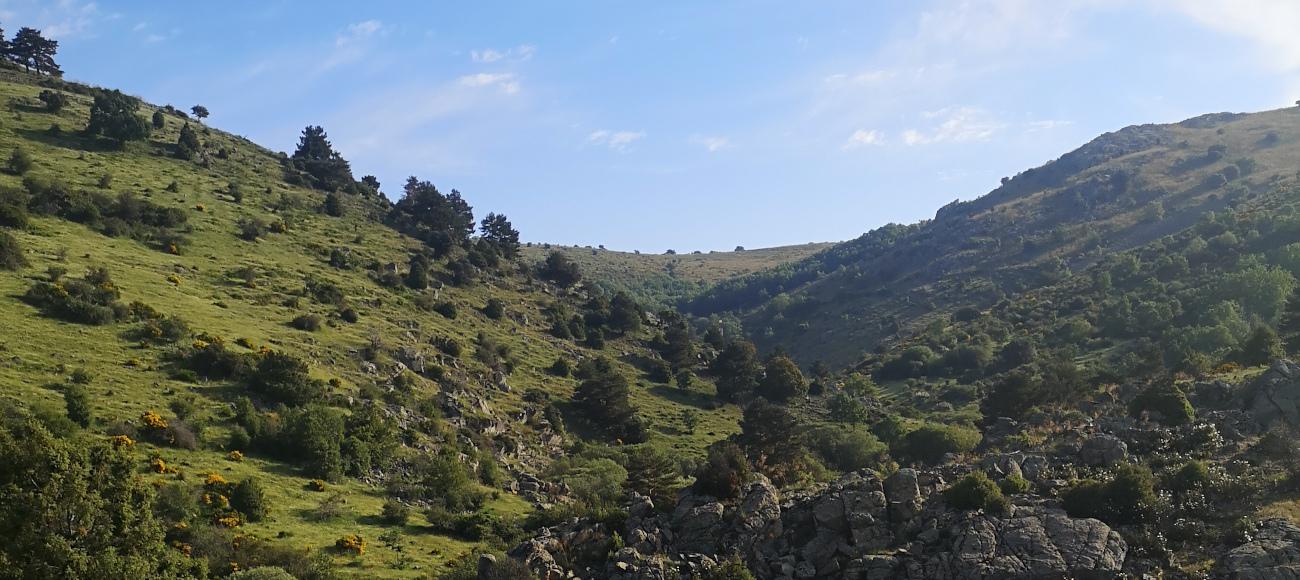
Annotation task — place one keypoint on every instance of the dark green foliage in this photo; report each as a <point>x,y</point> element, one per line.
<point>77,400</point>
<point>1011,396</point>
<point>446,309</point>
<point>281,377</point>
<point>20,162</point>
<point>311,436</point>
<point>976,491</point>
<point>334,204</point>
<point>845,408</point>
<point>770,435</point>
<point>308,322</point>
<point>1191,476</point>
<point>561,367</point>
<point>847,448</point>
<point>737,370</point>
<point>653,471</point>
<point>34,51</point>
<point>159,119</point>
<point>602,399</point>
<point>188,145</point>
<point>678,343</point>
<point>930,442</point>
<point>724,472</point>
<point>443,480</point>
<point>316,158</point>
<point>125,215</point>
<point>200,112</point>
<point>395,513</point>
<point>502,236</point>
<point>1014,484</point>
<point>77,509</point>
<point>89,300</point>
<point>11,253</point>
<point>911,363</point>
<point>417,277</point>
<point>624,314</point>
<point>440,221</point>
<point>1165,402</point>
<point>1289,327</point>
<point>249,499</point>
<point>495,309</point>
<point>1261,347</point>
<point>1127,498</point>
<point>782,380</point>
<point>114,117</point>
<point>54,100</point>
<point>560,269</point>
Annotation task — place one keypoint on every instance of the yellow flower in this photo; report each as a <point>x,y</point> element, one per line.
<point>120,441</point>
<point>236,456</point>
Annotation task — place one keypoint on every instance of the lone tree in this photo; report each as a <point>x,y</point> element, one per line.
<point>34,52</point>
<point>737,370</point>
<point>199,111</point>
<point>113,116</point>
<point>560,269</point>
<point>602,398</point>
<point>782,380</point>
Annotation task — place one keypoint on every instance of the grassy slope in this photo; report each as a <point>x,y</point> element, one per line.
<point>662,279</point>
<point>38,352</point>
<point>972,254</point>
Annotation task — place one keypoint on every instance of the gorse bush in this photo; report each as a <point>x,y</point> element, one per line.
<point>20,162</point>
<point>930,442</point>
<point>125,215</point>
<point>976,491</point>
<point>1127,498</point>
<point>93,299</point>
<point>11,253</point>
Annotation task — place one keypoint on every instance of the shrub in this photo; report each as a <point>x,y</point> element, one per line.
<point>847,448</point>
<point>1128,498</point>
<point>730,569</point>
<point>1166,402</point>
<point>77,401</point>
<point>89,300</point>
<point>351,543</point>
<point>307,322</point>
<point>446,309</point>
<point>11,253</point>
<point>249,499</point>
<point>251,228</point>
<point>54,100</point>
<point>494,309</point>
<point>930,442</point>
<point>20,162</point>
<point>1192,475</point>
<point>285,378</point>
<point>976,491</point>
<point>561,367</point>
<point>1014,484</point>
<point>724,472</point>
<point>395,513</point>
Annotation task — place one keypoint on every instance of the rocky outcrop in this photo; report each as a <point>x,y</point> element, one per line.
<point>1274,553</point>
<point>1103,451</point>
<point>858,527</point>
<point>1274,396</point>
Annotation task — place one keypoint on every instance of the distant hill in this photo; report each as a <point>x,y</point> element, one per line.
<point>662,280</point>
<point>1044,228</point>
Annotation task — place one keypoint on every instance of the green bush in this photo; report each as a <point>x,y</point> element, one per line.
<point>20,162</point>
<point>77,401</point>
<point>307,322</point>
<point>724,472</point>
<point>1165,400</point>
<point>494,309</point>
<point>1192,475</point>
<point>930,442</point>
<point>730,569</point>
<point>92,299</point>
<point>446,309</point>
<point>847,448</point>
<point>1127,498</point>
<point>249,499</point>
<point>11,253</point>
<point>1014,484</point>
<point>395,513</point>
<point>976,491</point>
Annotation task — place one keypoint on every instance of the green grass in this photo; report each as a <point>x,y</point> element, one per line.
<point>37,353</point>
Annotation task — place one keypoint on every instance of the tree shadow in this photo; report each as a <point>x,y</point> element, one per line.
<point>693,398</point>
<point>69,140</point>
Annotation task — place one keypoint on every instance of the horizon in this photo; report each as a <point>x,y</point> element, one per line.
<point>806,128</point>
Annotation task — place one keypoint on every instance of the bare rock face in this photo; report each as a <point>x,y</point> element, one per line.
<point>1274,553</point>
<point>1103,451</point>
<point>1275,395</point>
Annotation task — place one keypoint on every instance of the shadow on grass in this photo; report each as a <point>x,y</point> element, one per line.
<point>693,398</point>
<point>67,139</point>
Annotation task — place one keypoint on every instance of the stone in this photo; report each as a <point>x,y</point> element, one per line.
<point>1274,553</point>
<point>903,494</point>
<point>1103,450</point>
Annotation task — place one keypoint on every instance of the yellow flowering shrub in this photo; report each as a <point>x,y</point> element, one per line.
<point>121,441</point>
<point>236,456</point>
<point>351,543</point>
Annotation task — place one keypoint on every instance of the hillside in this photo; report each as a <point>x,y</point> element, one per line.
<point>378,344</point>
<point>662,280</point>
<point>1122,191</point>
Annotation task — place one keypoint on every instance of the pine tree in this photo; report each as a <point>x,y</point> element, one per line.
<point>602,399</point>
<point>334,204</point>
<point>498,231</point>
<point>34,52</point>
<point>1261,347</point>
<point>113,115</point>
<point>316,157</point>
<point>624,314</point>
<point>653,471</point>
<point>200,111</point>
<point>737,370</point>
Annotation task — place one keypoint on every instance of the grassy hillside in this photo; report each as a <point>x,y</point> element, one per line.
<point>664,279</point>
<point>248,292</point>
<point>1042,228</point>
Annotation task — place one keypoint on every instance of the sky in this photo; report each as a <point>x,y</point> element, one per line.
<point>690,125</point>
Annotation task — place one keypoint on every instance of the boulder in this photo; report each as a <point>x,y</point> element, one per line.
<point>1274,553</point>
<point>1103,451</point>
<point>1275,394</point>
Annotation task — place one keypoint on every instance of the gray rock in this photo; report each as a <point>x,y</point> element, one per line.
<point>1103,451</point>
<point>1275,394</point>
<point>1274,553</point>
<point>903,494</point>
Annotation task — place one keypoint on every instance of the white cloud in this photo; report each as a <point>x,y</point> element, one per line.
<point>863,138</point>
<point>1270,24</point>
<point>519,53</point>
<point>956,125</point>
<point>712,143</point>
<point>1046,125</point>
<point>66,19</point>
<point>507,82</point>
<point>140,26</point>
<point>359,31</point>
<point>616,140</point>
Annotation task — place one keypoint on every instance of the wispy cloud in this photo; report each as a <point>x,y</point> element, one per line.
<point>488,55</point>
<point>359,31</point>
<point>66,19</point>
<point>711,143</point>
<point>863,138</point>
<point>352,44</point>
<point>955,125</point>
<point>507,82</point>
<point>616,140</point>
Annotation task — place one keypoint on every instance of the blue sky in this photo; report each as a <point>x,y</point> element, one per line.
<point>689,125</point>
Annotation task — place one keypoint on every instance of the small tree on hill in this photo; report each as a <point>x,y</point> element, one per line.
<point>35,52</point>
<point>737,370</point>
<point>624,314</point>
<point>782,380</point>
<point>159,119</point>
<point>54,100</point>
<point>498,231</point>
<point>317,158</point>
<point>333,204</point>
<point>602,398</point>
<point>560,269</point>
<point>1261,347</point>
<point>199,111</point>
